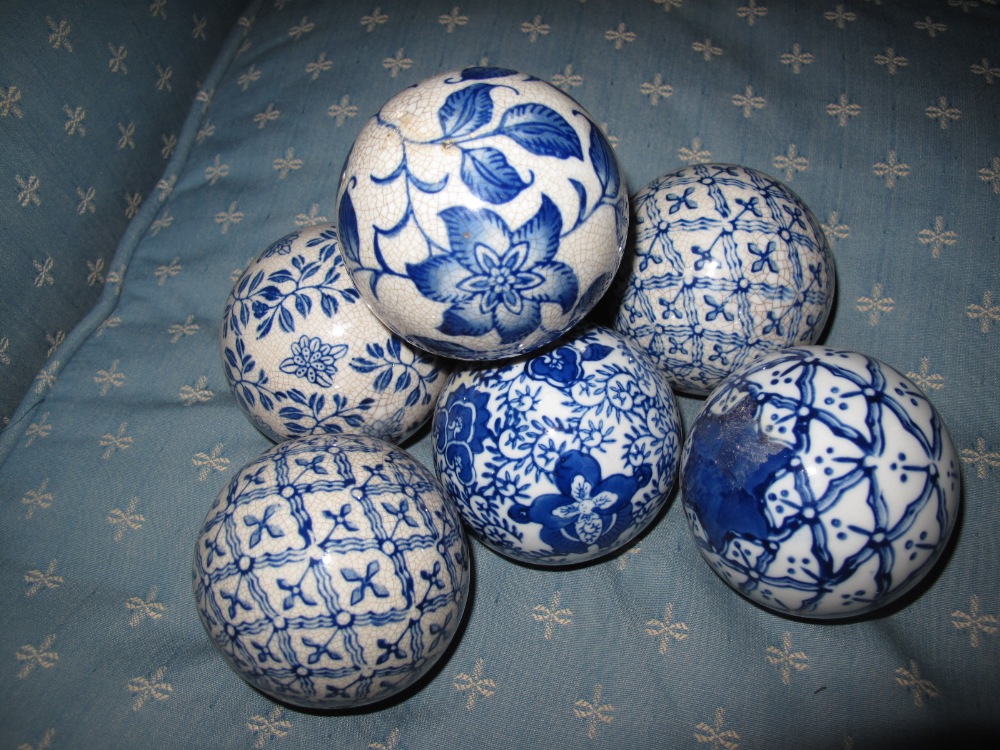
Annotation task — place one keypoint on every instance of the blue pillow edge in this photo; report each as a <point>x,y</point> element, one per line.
<point>127,246</point>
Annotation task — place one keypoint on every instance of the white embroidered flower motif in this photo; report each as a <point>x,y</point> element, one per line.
<point>313,360</point>
<point>588,523</point>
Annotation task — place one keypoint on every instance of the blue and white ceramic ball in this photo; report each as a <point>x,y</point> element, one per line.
<point>729,265</point>
<point>561,456</point>
<point>331,572</point>
<point>482,213</point>
<point>820,483</point>
<point>304,355</point>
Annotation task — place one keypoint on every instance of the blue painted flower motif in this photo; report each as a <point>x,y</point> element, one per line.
<point>496,279</point>
<point>561,367</point>
<point>365,581</point>
<point>461,430</point>
<point>588,510</point>
<point>282,246</point>
<point>313,360</point>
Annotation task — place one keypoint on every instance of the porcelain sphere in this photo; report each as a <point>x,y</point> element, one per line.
<point>561,456</point>
<point>729,265</point>
<point>482,213</point>
<point>304,355</point>
<point>331,573</point>
<point>820,483</point>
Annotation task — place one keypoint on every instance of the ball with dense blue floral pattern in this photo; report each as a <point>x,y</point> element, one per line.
<point>304,355</point>
<point>331,572</point>
<point>482,213</point>
<point>820,483</point>
<point>561,456</point>
<point>729,265</point>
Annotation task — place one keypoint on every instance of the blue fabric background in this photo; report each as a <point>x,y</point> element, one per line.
<point>883,118</point>
<point>91,102</point>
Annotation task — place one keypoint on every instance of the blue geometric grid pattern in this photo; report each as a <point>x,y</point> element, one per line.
<point>728,265</point>
<point>882,117</point>
<point>331,573</point>
<point>820,483</point>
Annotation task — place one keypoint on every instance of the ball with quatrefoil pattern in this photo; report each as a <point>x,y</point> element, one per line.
<point>729,265</point>
<point>331,573</point>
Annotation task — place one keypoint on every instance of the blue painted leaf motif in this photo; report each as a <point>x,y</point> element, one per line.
<point>604,162</point>
<point>286,321</point>
<point>393,346</point>
<point>347,229</point>
<point>541,130</point>
<point>382,381</point>
<point>303,304</point>
<point>282,276</point>
<point>490,177</point>
<point>271,293</point>
<point>596,352</point>
<point>481,73</point>
<point>466,110</point>
<point>581,192</point>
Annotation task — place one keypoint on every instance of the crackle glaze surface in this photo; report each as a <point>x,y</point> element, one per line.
<point>482,213</point>
<point>820,483</point>
<point>729,265</point>
<point>561,456</point>
<point>304,355</point>
<point>331,572</point>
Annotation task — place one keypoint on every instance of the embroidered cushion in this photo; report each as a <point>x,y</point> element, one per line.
<point>883,119</point>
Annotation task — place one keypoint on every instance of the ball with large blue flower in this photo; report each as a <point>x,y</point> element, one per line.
<point>304,355</point>
<point>482,213</point>
<point>563,455</point>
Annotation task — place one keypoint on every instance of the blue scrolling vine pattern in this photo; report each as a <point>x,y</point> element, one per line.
<point>535,447</point>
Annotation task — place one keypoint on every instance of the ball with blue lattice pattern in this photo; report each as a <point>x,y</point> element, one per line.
<point>331,573</point>
<point>820,483</point>
<point>728,265</point>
